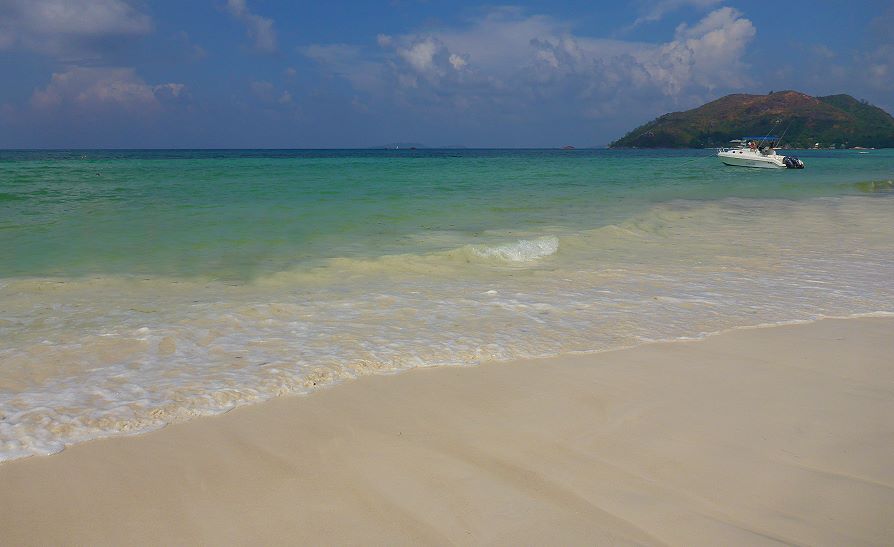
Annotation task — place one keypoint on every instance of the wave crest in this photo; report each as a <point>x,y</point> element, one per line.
<point>523,250</point>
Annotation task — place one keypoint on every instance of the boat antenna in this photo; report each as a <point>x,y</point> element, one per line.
<point>768,133</point>
<point>779,143</point>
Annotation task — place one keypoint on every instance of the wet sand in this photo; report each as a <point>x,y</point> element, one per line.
<point>758,436</point>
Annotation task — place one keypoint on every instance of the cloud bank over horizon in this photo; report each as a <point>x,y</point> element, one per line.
<point>106,73</point>
<point>509,62</point>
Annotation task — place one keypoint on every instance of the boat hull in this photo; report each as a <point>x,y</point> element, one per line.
<point>751,160</point>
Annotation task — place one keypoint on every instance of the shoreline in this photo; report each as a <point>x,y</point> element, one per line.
<point>570,354</point>
<point>93,356</point>
<point>753,435</point>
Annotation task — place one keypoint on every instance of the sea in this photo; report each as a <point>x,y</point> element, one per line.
<point>140,288</point>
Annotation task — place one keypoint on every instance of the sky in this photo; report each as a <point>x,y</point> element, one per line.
<point>332,74</point>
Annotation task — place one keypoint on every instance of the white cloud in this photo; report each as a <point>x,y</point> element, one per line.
<point>383,40</point>
<point>457,61</point>
<point>351,63</point>
<point>69,28</point>
<point>260,29</point>
<point>420,54</point>
<point>866,72</point>
<point>708,54</point>
<point>509,62</point>
<point>94,88</point>
<point>653,10</point>
<point>502,37</point>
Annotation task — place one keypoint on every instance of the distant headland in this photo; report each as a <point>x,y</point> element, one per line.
<point>834,121</point>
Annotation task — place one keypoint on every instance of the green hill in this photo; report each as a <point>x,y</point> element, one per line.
<point>835,120</point>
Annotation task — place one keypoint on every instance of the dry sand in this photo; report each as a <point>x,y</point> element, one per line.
<point>761,436</point>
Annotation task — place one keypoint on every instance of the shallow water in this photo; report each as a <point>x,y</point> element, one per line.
<point>141,288</point>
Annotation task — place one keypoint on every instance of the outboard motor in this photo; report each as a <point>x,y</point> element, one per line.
<point>791,162</point>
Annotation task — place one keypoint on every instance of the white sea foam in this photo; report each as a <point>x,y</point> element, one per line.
<point>83,358</point>
<point>524,250</point>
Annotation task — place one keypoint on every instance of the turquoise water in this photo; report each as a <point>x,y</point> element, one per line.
<point>138,288</point>
<point>240,214</point>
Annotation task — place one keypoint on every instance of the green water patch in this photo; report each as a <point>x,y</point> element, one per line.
<point>11,197</point>
<point>872,186</point>
<point>240,214</point>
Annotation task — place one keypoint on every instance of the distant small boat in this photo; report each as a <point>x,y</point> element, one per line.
<point>757,152</point>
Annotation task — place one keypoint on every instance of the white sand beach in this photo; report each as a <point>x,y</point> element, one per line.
<point>781,435</point>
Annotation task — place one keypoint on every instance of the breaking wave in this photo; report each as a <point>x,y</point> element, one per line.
<point>524,250</point>
<point>88,357</point>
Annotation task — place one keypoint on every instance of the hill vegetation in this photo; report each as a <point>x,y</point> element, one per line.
<point>834,121</point>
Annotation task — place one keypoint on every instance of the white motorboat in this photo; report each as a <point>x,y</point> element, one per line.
<point>757,152</point>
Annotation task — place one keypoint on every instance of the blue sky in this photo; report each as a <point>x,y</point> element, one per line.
<point>272,73</point>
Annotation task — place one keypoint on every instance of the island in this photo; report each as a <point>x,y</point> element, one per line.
<point>803,121</point>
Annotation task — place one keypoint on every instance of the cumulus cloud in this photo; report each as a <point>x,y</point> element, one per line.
<point>420,54</point>
<point>260,29</point>
<point>507,61</point>
<point>710,52</point>
<point>69,28</point>
<point>100,88</point>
